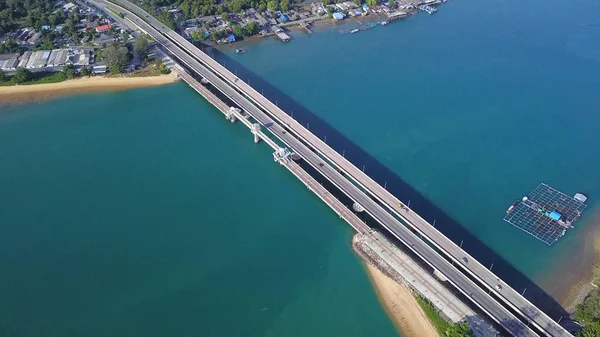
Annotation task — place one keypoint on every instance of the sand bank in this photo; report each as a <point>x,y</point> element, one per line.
<point>37,92</point>
<point>401,305</point>
<point>580,268</point>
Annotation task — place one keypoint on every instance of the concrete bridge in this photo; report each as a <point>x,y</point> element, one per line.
<point>487,291</point>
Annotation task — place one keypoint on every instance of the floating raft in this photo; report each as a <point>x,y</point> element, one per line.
<point>546,213</point>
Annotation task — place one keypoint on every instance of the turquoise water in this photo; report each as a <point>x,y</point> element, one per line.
<point>146,213</point>
<point>473,107</point>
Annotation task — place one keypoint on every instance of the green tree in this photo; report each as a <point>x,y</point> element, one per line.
<point>85,71</point>
<point>372,3</point>
<point>590,330</point>
<point>69,71</point>
<point>459,330</point>
<point>9,46</point>
<point>3,76</point>
<point>237,30</point>
<point>273,5</point>
<point>22,75</point>
<point>115,57</point>
<point>141,47</point>
<point>47,43</point>
<point>284,5</point>
<point>251,28</point>
<point>589,310</point>
<point>115,69</point>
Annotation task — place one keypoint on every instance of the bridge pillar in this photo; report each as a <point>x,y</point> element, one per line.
<point>255,129</point>
<point>230,115</point>
<point>282,155</point>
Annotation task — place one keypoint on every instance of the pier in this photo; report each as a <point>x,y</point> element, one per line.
<point>484,289</point>
<point>280,34</point>
<point>306,26</point>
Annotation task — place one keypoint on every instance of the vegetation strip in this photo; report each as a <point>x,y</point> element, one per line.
<point>440,323</point>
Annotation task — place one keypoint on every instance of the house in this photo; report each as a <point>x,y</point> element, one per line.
<point>103,28</point>
<point>99,70</point>
<point>338,15</point>
<point>69,7</point>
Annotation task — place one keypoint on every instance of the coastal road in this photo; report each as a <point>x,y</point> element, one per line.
<point>451,250</point>
<point>464,284</point>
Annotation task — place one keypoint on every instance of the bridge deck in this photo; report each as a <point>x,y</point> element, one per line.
<point>414,220</point>
<point>337,206</point>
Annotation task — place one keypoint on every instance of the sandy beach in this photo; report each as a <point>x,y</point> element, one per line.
<point>579,269</point>
<point>38,92</point>
<point>401,305</point>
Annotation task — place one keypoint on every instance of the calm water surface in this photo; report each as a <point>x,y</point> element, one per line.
<point>473,107</point>
<point>146,213</point>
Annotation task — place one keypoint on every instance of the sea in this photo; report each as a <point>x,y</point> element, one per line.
<point>145,212</point>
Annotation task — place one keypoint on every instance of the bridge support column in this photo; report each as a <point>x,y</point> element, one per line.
<point>255,129</point>
<point>230,115</point>
<point>282,155</point>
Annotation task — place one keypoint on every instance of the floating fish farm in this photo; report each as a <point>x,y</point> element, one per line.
<point>546,213</point>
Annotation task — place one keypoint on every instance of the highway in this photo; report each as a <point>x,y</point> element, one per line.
<point>416,222</point>
<point>227,85</point>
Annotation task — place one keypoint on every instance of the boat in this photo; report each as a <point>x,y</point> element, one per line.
<point>355,30</point>
<point>429,9</point>
<point>383,23</point>
<point>240,51</point>
<point>510,209</point>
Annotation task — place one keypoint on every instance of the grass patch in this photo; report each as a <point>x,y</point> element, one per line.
<point>148,71</point>
<point>440,324</point>
<point>39,78</point>
<point>121,15</point>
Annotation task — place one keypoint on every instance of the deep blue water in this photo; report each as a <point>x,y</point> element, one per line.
<point>472,107</point>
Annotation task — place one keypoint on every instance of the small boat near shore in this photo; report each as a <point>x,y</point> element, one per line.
<point>429,9</point>
<point>510,209</point>
<point>240,50</point>
<point>355,30</point>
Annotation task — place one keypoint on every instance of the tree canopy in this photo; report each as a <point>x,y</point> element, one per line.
<point>22,75</point>
<point>588,313</point>
<point>115,57</point>
<point>141,47</point>
<point>459,330</point>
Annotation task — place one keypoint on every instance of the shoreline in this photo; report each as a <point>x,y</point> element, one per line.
<point>395,296</point>
<point>400,305</point>
<point>580,268</point>
<point>10,95</point>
